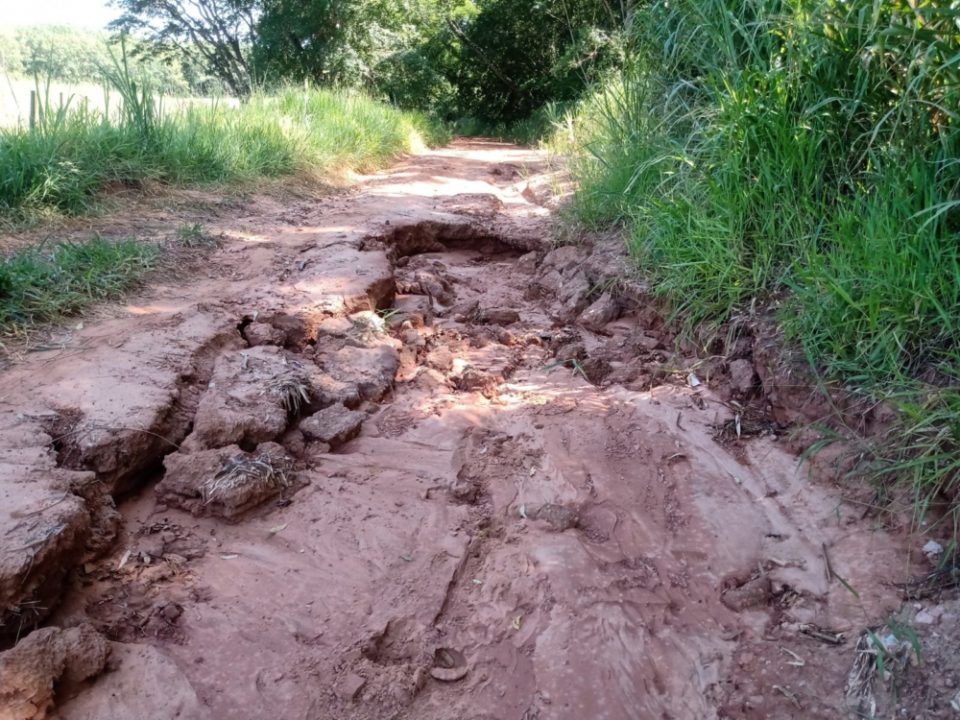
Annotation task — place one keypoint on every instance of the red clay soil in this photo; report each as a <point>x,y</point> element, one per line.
<point>392,455</point>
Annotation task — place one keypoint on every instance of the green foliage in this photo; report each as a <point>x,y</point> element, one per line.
<point>332,42</point>
<point>11,57</point>
<point>193,235</point>
<point>212,35</point>
<point>72,55</point>
<point>62,163</point>
<point>59,52</point>
<point>800,155</point>
<point>496,60</point>
<point>44,283</point>
<point>515,57</point>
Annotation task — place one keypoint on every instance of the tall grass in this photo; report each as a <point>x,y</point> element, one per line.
<point>74,152</point>
<point>804,156</point>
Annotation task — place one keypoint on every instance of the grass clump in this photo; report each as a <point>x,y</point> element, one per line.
<point>247,476</point>
<point>47,282</point>
<point>801,157</point>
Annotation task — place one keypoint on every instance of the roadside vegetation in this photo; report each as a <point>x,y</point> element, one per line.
<point>799,160</point>
<point>72,153</point>
<point>46,282</point>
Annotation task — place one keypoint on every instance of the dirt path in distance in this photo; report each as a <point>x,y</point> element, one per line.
<point>395,456</point>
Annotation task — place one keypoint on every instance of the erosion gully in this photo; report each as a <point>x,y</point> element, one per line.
<point>391,454</point>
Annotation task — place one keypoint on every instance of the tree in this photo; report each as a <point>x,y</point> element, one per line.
<point>337,42</point>
<point>11,61</point>
<point>63,53</point>
<point>218,34</point>
<point>514,57</point>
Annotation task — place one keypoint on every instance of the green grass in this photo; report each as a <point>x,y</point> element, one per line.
<point>532,130</point>
<point>73,153</point>
<point>801,157</point>
<point>45,283</point>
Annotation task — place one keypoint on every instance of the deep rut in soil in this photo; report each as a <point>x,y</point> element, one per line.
<point>434,469</point>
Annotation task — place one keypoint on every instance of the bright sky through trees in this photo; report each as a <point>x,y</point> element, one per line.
<point>90,14</point>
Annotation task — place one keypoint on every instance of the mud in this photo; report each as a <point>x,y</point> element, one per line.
<point>399,457</point>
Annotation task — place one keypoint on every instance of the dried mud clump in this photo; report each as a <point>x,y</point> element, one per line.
<point>602,311</point>
<point>423,276</point>
<point>351,374</point>
<point>47,662</point>
<point>333,425</point>
<point>250,399</point>
<point>226,482</point>
<point>558,518</point>
<point>36,554</point>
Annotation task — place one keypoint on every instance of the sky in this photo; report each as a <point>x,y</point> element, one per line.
<point>91,14</point>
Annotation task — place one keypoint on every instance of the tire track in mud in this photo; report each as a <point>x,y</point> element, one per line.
<point>416,464</point>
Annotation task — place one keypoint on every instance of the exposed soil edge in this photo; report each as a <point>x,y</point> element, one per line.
<point>793,395</point>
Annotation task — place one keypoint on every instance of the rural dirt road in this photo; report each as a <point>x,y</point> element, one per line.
<point>390,454</point>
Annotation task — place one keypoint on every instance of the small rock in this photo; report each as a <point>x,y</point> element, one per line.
<point>604,310</point>
<point>753,593</point>
<point>742,376</point>
<point>557,517</point>
<point>932,549</point>
<point>648,342</point>
<point>334,425</point>
<point>562,258</point>
<point>596,369</point>
<point>172,611</point>
<point>413,338</point>
<point>924,618</point>
<point>571,351</point>
<point>335,327</point>
<point>260,333</point>
<point>505,337</point>
<point>476,380</point>
<point>189,480</point>
<point>527,263</point>
<point>351,686</point>
<point>499,316</point>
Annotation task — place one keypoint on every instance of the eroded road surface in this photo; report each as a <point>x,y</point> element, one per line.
<point>394,455</point>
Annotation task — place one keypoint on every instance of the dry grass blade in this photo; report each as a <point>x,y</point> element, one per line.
<point>292,390</point>
<point>859,687</point>
<point>746,422</point>
<point>943,578</point>
<point>241,471</point>
<point>368,327</point>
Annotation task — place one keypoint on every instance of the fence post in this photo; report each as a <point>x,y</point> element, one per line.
<point>33,109</point>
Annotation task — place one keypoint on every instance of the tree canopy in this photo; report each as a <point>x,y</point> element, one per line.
<point>493,59</point>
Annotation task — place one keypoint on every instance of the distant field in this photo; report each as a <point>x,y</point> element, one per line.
<point>15,98</point>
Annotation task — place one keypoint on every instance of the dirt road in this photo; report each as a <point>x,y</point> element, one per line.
<point>392,455</point>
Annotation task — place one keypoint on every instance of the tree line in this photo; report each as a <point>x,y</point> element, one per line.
<point>497,60</point>
<point>71,55</point>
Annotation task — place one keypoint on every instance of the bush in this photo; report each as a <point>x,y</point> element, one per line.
<point>772,149</point>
